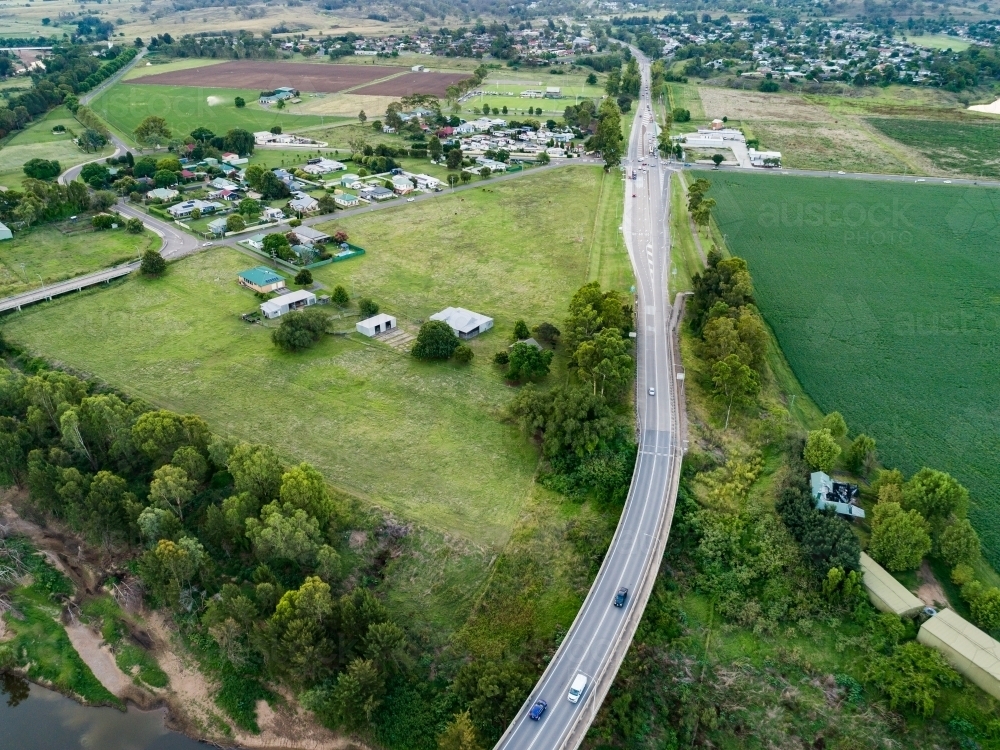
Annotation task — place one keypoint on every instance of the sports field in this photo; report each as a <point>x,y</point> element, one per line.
<point>425,441</point>
<point>885,298</point>
<point>185,108</point>
<point>968,148</point>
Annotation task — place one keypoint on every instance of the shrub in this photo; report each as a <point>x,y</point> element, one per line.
<point>134,226</point>
<point>900,538</point>
<point>152,264</point>
<point>821,451</point>
<point>436,340</point>
<point>304,277</point>
<point>502,357</point>
<point>340,297</point>
<point>300,330</point>
<point>367,307</point>
<point>463,354</point>
<point>41,169</point>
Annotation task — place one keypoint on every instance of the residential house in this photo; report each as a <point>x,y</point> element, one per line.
<point>401,185</point>
<point>375,325</point>
<point>275,308</point>
<point>272,214</point>
<point>310,236</point>
<point>163,194</point>
<point>375,192</point>
<point>766,159</point>
<point>221,183</point>
<point>256,242</point>
<point>351,181</point>
<point>322,166</point>
<point>346,200</point>
<point>234,160</point>
<point>261,279</point>
<point>426,182</point>
<point>223,195</point>
<point>303,204</point>
<point>182,210</point>
<point>841,497</point>
<point>553,92</point>
<point>465,323</point>
<point>277,95</point>
<point>217,227</point>
<point>495,166</point>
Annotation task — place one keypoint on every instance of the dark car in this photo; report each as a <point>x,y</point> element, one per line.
<point>621,596</point>
<point>537,710</point>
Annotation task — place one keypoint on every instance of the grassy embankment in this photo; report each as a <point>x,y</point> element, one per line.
<point>37,141</point>
<point>426,442</point>
<point>52,253</point>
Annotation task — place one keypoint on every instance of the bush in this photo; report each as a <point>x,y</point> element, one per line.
<point>300,330</point>
<point>152,264</point>
<point>240,102</point>
<point>367,307</point>
<point>134,226</point>
<point>463,354</point>
<point>304,277</point>
<point>502,357</point>
<point>769,87</point>
<point>41,169</point>
<point>102,221</point>
<point>340,297</point>
<point>235,223</point>
<point>295,223</point>
<point>821,451</point>
<point>436,340</point>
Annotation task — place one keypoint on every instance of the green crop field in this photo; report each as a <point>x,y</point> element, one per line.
<point>426,441</point>
<point>885,298</point>
<point>960,148</point>
<point>38,141</point>
<point>185,108</point>
<point>47,254</point>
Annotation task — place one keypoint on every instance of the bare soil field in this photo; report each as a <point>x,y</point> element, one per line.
<point>252,74</point>
<point>413,83</point>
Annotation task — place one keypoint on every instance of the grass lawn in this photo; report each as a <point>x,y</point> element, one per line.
<point>46,254</point>
<point>38,141</point>
<point>959,148</point>
<point>187,107</point>
<point>940,41</point>
<point>425,441</point>
<point>883,297</point>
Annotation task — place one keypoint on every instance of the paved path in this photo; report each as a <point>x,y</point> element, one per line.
<point>601,634</point>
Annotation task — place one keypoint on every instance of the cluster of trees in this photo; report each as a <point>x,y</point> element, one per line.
<point>733,336</point>
<point>823,447</point>
<point>583,426</point>
<point>608,138</point>
<point>437,341</point>
<point>524,361</point>
<point>41,201</point>
<point>223,531</point>
<point>154,132</point>
<point>242,45</point>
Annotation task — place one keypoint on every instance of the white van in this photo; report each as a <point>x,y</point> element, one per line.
<point>577,688</point>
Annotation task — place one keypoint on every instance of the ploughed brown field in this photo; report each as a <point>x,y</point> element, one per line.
<point>413,83</point>
<point>316,77</point>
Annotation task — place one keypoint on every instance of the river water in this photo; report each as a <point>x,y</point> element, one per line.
<point>33,718</point>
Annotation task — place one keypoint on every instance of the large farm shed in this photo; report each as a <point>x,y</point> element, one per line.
<point>967,648</point>
<point>317,77</point>
<point>886,593</point>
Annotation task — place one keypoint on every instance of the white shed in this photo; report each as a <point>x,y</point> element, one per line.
<point>5,233</point>
<point>376,324</point>
<point>275,308</point>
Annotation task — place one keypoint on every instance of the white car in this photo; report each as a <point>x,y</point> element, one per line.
<point>920,180</point>
<point>841,172</point>
<point>410,200</point>
<point>947,182</point>
<point>577,688</point>
<point>207,244</point>
<point>652,391</point>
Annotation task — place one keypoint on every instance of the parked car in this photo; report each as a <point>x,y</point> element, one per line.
<point>621,596</point>
<point>577,688</point>
<point>652,391</point>
<point>537,710</point>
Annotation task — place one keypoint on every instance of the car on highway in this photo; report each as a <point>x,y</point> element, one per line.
<point>841,172</point>
<point>920,180</point>
<point>537,710</point>
<point>652,391</point>
<point>947,182</point>
<point>577,688</point>
<point>621,596</point>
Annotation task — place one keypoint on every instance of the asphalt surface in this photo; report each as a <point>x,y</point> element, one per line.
<point>72,285</point>
<point>600,635</point>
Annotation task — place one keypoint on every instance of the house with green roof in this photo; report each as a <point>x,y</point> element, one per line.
<point>261,279</point>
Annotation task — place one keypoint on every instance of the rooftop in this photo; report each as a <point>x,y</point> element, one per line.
<point>260,276</point>
<point>460,319</point>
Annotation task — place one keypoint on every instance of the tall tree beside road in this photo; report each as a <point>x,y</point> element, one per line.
<point>735,384</point>
<point>239,141</point>
<point>608,138</point>
<point>152,131</point>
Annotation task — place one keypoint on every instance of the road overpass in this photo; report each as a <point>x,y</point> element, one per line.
<point>601,634</point>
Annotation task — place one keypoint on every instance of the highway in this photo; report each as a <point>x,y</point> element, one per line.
<point>601,633</point>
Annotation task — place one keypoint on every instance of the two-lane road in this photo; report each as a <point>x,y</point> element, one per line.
<point>601,633</point>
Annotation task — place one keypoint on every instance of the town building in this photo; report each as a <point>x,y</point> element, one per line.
<point>261,279</point>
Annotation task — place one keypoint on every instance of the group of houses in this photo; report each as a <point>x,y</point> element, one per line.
<point>718,137</point>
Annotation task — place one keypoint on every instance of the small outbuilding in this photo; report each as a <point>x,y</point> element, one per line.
<point>261,279</point>
<point>5,233</point>
<point>375,325</point>
<point>967,648</point>
<point>885,592</point>
<point>275,308</point>
<point>841,497</point>
<point>465,323</point>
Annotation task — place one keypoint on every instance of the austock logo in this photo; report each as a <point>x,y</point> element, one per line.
<point>881,223</point>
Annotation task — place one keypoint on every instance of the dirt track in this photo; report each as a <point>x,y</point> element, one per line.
<point>413,83</point>
<point>315,77</point>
